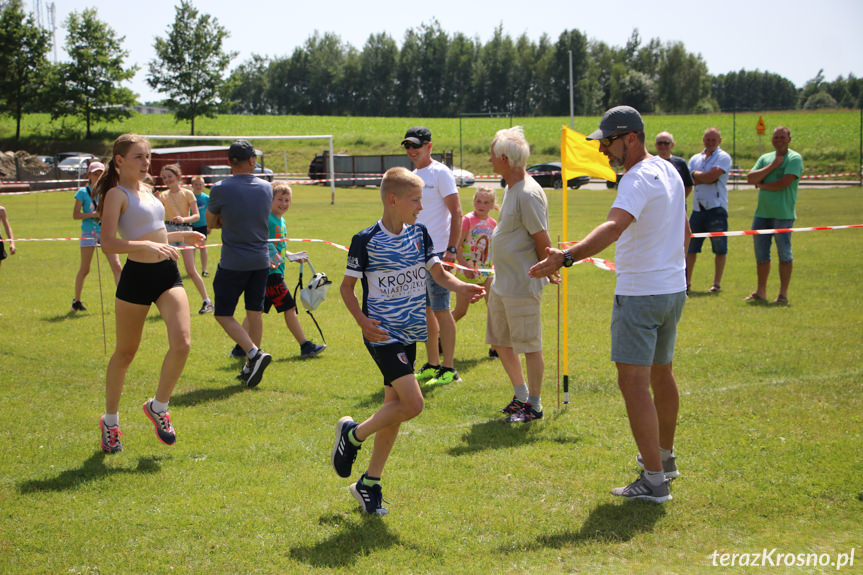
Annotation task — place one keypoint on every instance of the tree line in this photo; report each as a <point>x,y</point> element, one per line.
<point>432,74</point>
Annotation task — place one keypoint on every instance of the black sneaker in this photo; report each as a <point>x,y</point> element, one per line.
<point>244,373</point>
<point>162,422</point>
<point>257,365</point>
<point>110,441</point>
<point>206,307</point>
<point>527,414</point>
<point>513,406</point>
<point>344,452</point>
<point>311,349</point>
<point>237,352</point>
<point>369,496</point>
<point>642,489</point>
<point>77,305</point>
<point>492,352</point>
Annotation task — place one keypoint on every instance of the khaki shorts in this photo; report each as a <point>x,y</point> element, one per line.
<point>514,322</point>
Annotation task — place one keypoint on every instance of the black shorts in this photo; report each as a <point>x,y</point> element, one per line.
<point>278,294</point>
<point>2,250</point>
<point>201,230</point>
<point>395,360</point>
<point>143,283</point>
<point>229,284</point>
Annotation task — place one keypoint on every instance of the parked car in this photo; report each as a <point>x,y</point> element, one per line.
<point>47,160</point>
<point>463,178</point>
<point>74,167</point>
<point>548,176</point>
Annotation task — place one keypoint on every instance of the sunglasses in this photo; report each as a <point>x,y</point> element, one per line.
<point>607,141</point>
<point>412,146</point>
<point>663,143</point>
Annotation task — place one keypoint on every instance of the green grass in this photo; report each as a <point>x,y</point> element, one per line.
<point>828,140</point>
<point>768,442</point>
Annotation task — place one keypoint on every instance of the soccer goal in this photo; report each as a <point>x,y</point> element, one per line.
<point>328,137</point>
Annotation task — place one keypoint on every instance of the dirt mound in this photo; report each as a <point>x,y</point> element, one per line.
<point>20,165</point>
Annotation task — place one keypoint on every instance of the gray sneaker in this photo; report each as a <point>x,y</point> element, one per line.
<point>669,466</point>
<point>257,365</point>
<point>642,489</point>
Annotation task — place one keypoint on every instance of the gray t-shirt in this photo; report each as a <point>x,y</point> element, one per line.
<point>244,201</point>
<point>523,213</point>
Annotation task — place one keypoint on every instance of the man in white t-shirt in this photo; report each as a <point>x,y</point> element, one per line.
<point>648,222</point>
<point>441,215</point>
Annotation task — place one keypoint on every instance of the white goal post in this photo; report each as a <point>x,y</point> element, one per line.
<point>327,137</point>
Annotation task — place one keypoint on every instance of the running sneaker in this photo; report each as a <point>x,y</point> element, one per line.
<point>642,489</point>
<point>205,274</point>
<point>110,437</point>
<point>162,422</point>
<point>77,305</point>
<point>237,352</point>
<point>669,466</point>
<point>311,349</point>
<point>525,415</point>
<point>344,452</point>
<point>206,307</point>
<point>492,352</point>
<point>443,376</point>
<point>257,365</point>
<point>513,406</point>
<point>427,371</point>
<point>244,373</point>
<point>369,496</point>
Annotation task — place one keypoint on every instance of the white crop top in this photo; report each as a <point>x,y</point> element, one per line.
<point>140,218</point>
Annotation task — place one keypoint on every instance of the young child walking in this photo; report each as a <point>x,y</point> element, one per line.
<point>85,210</point>
<point>202,198</point>
<point>150,275</point>
<point>475,241</point>
<point>278,294</point>
<point>391,258</point>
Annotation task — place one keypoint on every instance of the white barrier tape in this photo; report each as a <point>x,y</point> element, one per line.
<point>773,231</point>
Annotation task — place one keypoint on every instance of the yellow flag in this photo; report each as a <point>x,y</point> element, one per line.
<point>581,157</point>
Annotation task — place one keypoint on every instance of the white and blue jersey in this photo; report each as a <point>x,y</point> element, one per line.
<point>393,271</point>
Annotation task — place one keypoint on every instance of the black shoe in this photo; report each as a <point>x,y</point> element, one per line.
<point>513,406</point>
<point>257,365</point>
<point>311,349</point>
<point>77,305</point>
<point>527,414</point>
<point>237,352</point>
<point>492,352</point>
<point>344,452</point>
<point>369,497</point>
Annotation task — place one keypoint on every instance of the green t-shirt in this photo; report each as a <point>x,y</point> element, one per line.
<point>779,204</point>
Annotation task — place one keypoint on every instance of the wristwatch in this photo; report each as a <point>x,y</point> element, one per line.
<point>451,249</point>
<point>568,260</point>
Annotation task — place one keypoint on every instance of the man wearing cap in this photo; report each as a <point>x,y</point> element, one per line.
<point>648,222</point>
<point>240,205</point>
<point>710,171</point>
<point>441,215</point>
<point>776,175</point>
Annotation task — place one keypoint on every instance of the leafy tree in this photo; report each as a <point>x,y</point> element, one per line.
<point>23,65</point>
<point>683,80</point>
<point>88,85</point>
<point>191,64</point>
<point>378,69</point>
<point>493,75</point>
<point>248,85</point>
<point>820,99</point>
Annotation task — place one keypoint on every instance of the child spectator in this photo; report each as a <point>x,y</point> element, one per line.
<point>278,294</point>
<point>476,229</point>
<point>150,275</point>
<point>201,199</point>
<point>391,258</point>
<point>85,210</point>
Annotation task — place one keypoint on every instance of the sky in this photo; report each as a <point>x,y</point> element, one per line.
<point>794,39</point>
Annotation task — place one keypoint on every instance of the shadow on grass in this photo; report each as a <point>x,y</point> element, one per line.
<point>66,316</point>
<point>608,522</point>
<point>206,395</point>
<point>355,538</point>
<point>91,470</point>
<point>498,434</point>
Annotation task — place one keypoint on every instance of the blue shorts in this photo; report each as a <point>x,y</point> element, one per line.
<point>395,360</point>
<point>143,284</point>
<point>712,220</point>
<point>90,239</point>
<point>437,296</point>
<point>644,328</point>
<point>229,284</point>
<point>762,242</point>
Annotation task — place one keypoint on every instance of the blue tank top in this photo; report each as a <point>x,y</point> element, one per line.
<point>140,218</point>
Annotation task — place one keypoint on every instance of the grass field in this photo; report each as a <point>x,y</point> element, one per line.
<point>828,140</point>
<point>768,445</point>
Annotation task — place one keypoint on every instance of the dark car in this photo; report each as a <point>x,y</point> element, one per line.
<point>548,176</point>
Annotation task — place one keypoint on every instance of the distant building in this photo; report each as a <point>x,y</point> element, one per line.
<point>150,109</point>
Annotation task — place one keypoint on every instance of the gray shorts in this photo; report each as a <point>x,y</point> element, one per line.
<point>644,328</point>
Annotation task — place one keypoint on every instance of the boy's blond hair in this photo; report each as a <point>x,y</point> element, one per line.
<point>486,191</point>
<point>197,180</point>
<point>399,181</point>
<point>280,188</point>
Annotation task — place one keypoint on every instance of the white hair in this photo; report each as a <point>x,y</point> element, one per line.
<point>510,142</point>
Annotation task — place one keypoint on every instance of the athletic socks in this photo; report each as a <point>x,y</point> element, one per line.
<point>535,402</point>
<point>520,392</point>
<point>666,453</point>
<point>112,419</point>
<point>655,478</point>
<point>353,438</point>
<point>371,481</point>
<point>252,352</point>
<point>158,406</point>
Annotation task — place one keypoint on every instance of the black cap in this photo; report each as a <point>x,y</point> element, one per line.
<point>618,119</point>
<point>240,151</point>
<point>417,135</point>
